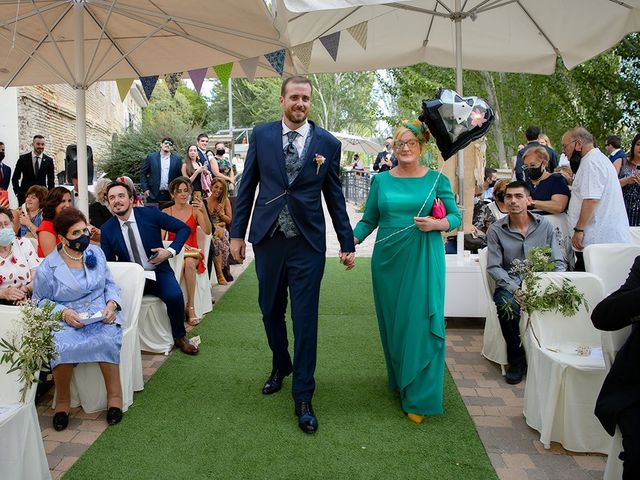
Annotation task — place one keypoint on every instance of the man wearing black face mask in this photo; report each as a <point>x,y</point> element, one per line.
<point>490,179</point>
<point>596,210</point>
<point>5,176</point>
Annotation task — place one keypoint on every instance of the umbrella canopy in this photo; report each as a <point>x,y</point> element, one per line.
<point>79,42</point>
<point>524,36</point>
<point>353,143</point>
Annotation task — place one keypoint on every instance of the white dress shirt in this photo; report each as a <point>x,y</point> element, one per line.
<point>165,162</point>
<point>300,140</point>
<point>125,234</point>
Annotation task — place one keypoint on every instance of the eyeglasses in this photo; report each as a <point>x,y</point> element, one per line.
<point>531,167</point>
<point>565,145</point>
<point>399,144</point>
<point>167,142</point>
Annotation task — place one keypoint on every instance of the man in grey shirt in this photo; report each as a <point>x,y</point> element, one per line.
<point>508,239</point>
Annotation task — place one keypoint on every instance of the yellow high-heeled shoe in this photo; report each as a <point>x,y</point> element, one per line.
<point>415,418</point>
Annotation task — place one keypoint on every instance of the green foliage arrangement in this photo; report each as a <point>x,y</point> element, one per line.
<point>565,298</point>
<point>31,347</point>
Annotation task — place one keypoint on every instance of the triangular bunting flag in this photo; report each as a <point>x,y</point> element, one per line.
<point>303,52</point>
<point>148,84</point>
<point>223,72</point>
<point>331,43</point>
<point>249,66</point>
<point>197,77</point>
<point>359,33</point>
<point>173,80</point>
<point>276,59</point>
<point>124,85</point>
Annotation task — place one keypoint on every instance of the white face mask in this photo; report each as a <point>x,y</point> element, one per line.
<point>7,236</point>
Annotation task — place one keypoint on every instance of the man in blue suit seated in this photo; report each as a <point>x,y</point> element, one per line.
<point>134,235</point>
<point>157,171</point>
<point>294,161</point>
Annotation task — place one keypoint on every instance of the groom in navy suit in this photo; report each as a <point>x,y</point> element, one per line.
<point>293,161</point>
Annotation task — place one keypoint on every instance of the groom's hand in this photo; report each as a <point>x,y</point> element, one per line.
<point>348,259</point>
<point>238,249</point>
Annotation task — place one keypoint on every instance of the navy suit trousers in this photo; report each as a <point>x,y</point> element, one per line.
<point>168,290</point>
<point>291,265</point>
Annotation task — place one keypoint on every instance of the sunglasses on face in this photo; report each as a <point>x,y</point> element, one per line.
<point>166,142</point>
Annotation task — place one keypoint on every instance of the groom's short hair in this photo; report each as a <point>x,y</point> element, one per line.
<point>294,79</point>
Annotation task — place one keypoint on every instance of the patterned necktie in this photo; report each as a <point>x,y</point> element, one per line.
<point>291,157</point>
<point>133,243</point>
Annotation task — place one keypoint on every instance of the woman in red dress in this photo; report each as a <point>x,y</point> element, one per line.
<point>57,200</point>
<point>195,216</point>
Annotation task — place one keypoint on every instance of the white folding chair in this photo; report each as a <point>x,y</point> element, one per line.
<point>562,387</point>
<point>87,384</point>
<point>21,450</point>
<point>203,300</point>
<point>154,328</point>
<point>612,263</point>
<point>635,234</point>
<point>494,347</point>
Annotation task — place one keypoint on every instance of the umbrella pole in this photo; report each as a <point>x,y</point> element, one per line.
<point>460,155</point>
<point>81,110</point>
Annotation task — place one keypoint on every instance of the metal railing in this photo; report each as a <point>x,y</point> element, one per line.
<point>355,186</point>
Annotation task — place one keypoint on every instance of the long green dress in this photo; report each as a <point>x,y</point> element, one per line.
<point>408,273</point>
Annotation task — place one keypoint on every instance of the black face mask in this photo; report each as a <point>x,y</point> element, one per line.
<point>492,184</point>
<point>499,196</point>
<point>1,156</point>
<point>574,161</point>
<point>535,173</point>
<point>220,152</point>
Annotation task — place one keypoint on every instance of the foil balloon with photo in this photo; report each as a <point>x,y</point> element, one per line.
<point>456,121</point>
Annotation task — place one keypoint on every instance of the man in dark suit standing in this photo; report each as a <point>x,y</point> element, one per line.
<point>33,168</point>
<point>135,235</point>
<point>293,161</point>
<point>619,401</point>
<point>385,160</point>
<point>5,178</point>
<point>157,171</point>
<point>202,144</point>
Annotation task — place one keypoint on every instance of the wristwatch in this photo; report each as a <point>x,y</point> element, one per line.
<point>578,230</point>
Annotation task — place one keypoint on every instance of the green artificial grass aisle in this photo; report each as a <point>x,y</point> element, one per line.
<point>205,417</point>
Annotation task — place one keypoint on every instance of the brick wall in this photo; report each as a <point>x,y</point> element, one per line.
<point>49,110</point>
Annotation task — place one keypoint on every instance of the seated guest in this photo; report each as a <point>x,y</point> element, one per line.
<point>484,215</point>
<point>549,196</point>
<point>511,238</point>
<point>194,215</point>
<point>135,234</point>
<point>29,216</point>
<point>619,401</point>
<point>76,279</point>
<point>99,211</point>
<point>18,261</point>
<point>220,209</point>
<point>549,192</point>
<point>58,199</point>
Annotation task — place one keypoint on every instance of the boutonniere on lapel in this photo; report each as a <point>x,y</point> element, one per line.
<point>319,161</point>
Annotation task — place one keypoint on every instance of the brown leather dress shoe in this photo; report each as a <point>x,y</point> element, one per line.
<point>186,346</point>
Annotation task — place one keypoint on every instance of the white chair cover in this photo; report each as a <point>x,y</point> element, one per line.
<point>22,453</point>
<point>203,300</point>
<point>494,348</point>
<point>635,234</point>
<point>562,387</point>
<point>87,384</point>
<point>154,328</point>
<point>564,232</point>
<point>612,263</point>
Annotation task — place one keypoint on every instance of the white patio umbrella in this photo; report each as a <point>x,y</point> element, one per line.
<point>354,143</point>
<point>79,42</point>
<point>523,36</point>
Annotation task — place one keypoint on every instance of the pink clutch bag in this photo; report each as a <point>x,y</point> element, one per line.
<point>438,211</point>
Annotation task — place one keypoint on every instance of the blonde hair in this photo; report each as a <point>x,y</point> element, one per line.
<point>417,129</point>
<point>223,184</point>
<point>539,152</point>
<point>544,138</point>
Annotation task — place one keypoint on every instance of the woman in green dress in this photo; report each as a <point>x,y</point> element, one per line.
<point>408,271</point>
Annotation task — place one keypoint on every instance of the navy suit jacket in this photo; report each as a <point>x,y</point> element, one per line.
<point>150,222</point>
<point>621,387</point>
<point>151,172</point>
<point>6,177</point>
<point>265,165</point>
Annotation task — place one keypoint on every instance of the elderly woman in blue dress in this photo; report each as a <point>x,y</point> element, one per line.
<point>76,278</point>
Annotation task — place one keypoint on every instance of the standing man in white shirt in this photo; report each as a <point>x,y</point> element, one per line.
<point>596,210</point>
<point>157,171</point>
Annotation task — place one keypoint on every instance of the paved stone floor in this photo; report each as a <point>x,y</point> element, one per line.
<point>496,407</point>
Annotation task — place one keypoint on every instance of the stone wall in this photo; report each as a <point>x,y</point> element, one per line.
<point>49,110</point>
